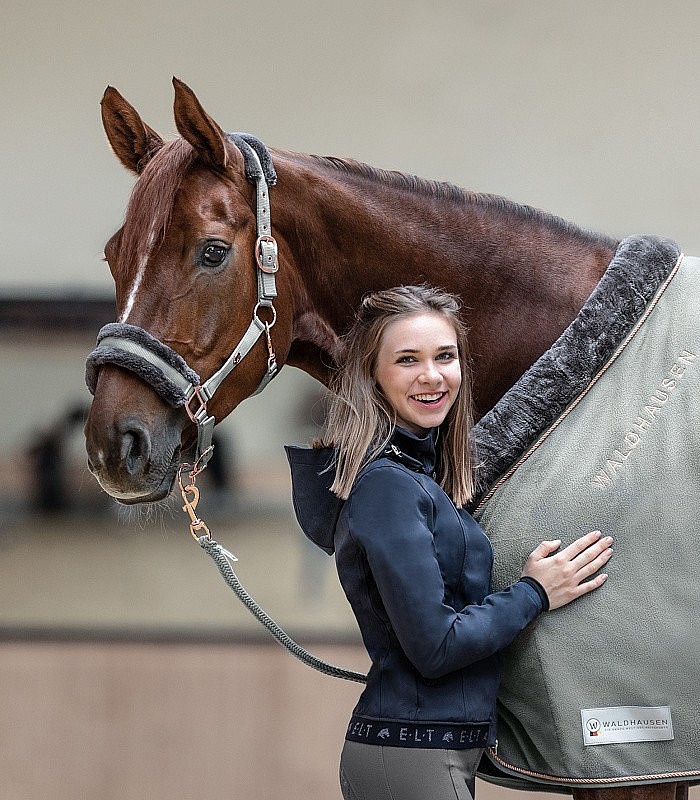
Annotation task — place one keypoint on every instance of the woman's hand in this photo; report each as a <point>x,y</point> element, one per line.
<point>563,575</point>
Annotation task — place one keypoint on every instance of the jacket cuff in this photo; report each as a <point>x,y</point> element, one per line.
<point>537,586</point>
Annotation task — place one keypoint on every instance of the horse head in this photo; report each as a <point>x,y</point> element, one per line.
<point>184,267</point>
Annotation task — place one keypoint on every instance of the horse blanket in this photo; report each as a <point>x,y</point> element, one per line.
<point>603,433</point>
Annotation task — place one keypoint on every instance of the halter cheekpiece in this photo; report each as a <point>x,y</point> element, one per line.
<point>166,371</point>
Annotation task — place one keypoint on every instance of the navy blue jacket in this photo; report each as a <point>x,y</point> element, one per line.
<point>417,573</point>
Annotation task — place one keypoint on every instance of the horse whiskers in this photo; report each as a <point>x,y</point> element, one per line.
<point>148,514</point>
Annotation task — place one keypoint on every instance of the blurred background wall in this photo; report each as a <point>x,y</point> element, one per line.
<point>126,670</point>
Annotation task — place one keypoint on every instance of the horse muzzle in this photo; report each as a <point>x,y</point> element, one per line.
<point>133,438</point>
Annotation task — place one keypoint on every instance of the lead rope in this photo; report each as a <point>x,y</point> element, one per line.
<point>223,560</point>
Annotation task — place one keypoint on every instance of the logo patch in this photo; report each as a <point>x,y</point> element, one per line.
<point>621,724</point>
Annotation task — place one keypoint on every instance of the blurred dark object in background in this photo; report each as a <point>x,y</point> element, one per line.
<point>49,468</point>
<point>54,314</point>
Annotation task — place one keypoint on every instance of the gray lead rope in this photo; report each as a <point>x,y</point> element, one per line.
<point>221,558</point>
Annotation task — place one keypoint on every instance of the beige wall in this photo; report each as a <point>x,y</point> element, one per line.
<point>173,722</point>
<point>587,109</point>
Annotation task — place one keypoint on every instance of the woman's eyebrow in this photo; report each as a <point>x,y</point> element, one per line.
<point>413,350</point>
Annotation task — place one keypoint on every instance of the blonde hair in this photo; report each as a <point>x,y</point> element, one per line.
<point>361,421</point>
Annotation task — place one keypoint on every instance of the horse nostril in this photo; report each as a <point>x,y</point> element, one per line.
<point>135,448</point>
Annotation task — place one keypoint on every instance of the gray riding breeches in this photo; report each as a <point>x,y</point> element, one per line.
<point>373,772</point>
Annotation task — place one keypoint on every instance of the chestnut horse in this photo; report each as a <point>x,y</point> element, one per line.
<point>183,268</point>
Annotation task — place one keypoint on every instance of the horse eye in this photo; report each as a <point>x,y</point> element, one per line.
<point>214,255</point>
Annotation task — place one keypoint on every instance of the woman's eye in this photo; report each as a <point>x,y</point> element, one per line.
<point>214,255</point>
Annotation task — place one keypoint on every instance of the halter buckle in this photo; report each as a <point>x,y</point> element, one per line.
<point>266,257</point>
<point>194,415</point>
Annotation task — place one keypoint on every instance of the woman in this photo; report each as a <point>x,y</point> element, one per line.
<point>414,564</point>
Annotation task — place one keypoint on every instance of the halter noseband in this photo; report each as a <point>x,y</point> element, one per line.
<point>166,371</point>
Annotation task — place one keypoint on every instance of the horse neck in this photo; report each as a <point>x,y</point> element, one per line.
<point>523,275</point>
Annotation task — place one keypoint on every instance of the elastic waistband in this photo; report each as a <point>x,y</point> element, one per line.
<point>435,735</point>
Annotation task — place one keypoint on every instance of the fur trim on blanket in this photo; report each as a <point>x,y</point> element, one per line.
<point>639,267</point>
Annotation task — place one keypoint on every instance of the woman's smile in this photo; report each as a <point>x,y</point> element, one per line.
<point>430,399</point>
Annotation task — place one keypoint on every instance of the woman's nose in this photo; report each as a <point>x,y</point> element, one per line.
<point>430,373</point>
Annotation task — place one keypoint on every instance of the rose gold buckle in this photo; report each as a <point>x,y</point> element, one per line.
<point>268,268</point>
<point>202,404</point>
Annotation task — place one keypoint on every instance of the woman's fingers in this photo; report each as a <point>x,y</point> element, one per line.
<point>577,547</point>
<point>589,586</point>
<point>592,566</point>
<point>592,552</point>
<point>573,571</point>
<point>543,549</point>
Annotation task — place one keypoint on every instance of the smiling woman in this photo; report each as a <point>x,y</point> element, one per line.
<point>413,563</point>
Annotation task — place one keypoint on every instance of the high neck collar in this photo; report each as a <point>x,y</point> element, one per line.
<point>418,451</point>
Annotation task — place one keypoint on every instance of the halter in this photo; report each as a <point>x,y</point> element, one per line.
<point>135,349</point>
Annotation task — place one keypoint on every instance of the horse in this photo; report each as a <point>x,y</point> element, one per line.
<point>183,264</point>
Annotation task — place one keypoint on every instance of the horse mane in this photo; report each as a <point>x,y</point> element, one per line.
<point>151,202</point>
<point>442,190</point>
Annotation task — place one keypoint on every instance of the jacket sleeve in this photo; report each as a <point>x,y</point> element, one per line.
<point>390,516</point>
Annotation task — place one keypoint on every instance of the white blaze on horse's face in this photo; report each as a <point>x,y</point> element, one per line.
<point>128,306</point>
<point>418,369</point>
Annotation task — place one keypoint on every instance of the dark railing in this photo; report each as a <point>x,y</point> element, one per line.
<point>63,314</point>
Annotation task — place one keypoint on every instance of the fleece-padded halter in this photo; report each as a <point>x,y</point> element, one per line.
<point>135,349</point>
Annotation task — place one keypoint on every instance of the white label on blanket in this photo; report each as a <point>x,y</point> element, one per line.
<point>626,724</point>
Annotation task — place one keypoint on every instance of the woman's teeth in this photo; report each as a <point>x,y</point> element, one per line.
<point>428,398</point>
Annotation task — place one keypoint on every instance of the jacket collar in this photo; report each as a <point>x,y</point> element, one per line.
<point>414,451</point>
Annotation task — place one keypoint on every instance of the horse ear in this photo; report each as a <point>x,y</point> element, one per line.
<point>198,128</point>
<point>133,142</point>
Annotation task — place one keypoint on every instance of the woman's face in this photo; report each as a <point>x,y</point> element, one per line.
<point>418,369</point>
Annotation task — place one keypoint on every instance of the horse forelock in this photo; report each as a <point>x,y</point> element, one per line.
<point>150,205</point>
<point>149,211</point>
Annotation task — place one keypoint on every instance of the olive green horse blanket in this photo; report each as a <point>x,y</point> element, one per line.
<point>603,433</point>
